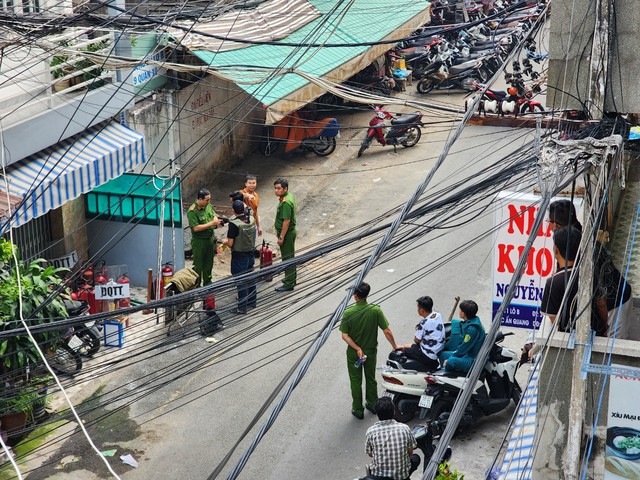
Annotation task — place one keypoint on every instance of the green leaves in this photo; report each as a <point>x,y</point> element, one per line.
<point>36,281</point>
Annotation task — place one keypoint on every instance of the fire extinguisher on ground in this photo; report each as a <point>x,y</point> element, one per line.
<point>266,257</point>
<point>123,302</point>
<point>167,273</point>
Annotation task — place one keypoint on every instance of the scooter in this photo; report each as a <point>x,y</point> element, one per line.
<point>85,338</point>
<point>405,130</point>
<point>460,76</point>
<point>296,133</point>
<point>424,434</point>
<point>492,393</point>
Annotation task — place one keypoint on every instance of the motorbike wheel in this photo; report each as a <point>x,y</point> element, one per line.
<point>325,146</point>
<point>441,406</point>
<point>364,146</point>
<point>516,393</point>
<point>64,360</point>
<point>90,341</point>
<point>425,85</point>
<point>413,137</point>
<point>403,415</point>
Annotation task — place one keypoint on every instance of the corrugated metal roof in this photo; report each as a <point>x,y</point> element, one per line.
<point>359,21</point>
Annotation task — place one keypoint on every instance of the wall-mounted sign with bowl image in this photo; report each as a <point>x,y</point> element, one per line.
<point>622,455</point>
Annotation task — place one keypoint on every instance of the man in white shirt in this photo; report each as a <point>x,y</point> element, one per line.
<point>429,339</point>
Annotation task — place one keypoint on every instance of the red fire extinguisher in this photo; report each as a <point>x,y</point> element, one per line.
<point>87,294</point>
<point>167,273</point>
<point>266,257</point>
<point>123,302</point>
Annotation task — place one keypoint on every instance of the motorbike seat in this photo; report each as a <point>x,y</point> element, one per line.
<point>451,373</point>
<point>405,119</point>
<point>461,67</point>
<point>74,307</point>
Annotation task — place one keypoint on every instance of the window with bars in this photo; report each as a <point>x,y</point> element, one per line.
<point>21,6</point>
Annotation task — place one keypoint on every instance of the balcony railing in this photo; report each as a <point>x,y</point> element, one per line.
<point>34,78</point>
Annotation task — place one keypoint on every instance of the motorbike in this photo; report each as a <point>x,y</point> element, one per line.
<point>405,130</point>
<point>403,378</point>
<point>86,337</point>
<point>297,133</point>
<point>492,393</point>
<point>424,434</point>
<point>65,357</point>
<point>461,76</point>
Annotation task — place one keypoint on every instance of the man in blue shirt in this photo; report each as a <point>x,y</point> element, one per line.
<point>473,336</point>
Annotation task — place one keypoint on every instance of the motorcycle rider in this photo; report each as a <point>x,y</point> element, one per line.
<point>429,339</point>
<point>390,445</point>
<point>473,336</point>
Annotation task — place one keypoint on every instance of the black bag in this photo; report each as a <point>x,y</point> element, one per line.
<point>210,323</point>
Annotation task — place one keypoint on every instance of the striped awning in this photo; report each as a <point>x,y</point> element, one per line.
<point>272,20</point>
<point>62,172</point>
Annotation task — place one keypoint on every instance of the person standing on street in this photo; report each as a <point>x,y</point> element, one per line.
<point>359,327</point>
<point>429,339</point>
<point>285,226</point>
<point>202,221</point>
<point>390,445</point>
<point>240,238</point>
<point>251,198</point>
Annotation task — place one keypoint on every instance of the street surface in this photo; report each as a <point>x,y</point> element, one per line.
<point>315,436</point>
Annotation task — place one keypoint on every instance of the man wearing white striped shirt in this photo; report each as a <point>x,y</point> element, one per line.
<point>390,445</point>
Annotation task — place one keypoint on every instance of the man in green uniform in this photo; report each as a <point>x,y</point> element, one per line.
<point>285,225</point>
<point>202,221</point>
<point>359,327</point>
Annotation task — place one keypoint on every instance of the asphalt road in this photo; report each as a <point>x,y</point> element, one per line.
<point>315,435</point>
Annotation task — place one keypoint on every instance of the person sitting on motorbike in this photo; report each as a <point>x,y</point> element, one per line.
<point>473,335</point>
<point>429,339</point>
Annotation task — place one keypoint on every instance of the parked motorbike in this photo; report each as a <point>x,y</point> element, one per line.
<point>461,76</point>
<point>492,393</point>
<point>405,130</point>
<point>86,337</point>
<point>296,133</point>
<point>424,434</point>
<point>63,358</point>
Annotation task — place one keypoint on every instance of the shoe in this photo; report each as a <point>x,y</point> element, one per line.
<point>284,288</point>
<point>239,312</point>
<point>358,415</point>
<point>251,306</point>
<point>370,408</point>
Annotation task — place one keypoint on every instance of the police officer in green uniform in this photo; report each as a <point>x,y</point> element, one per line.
<point>202,221</point>
<point>241,239</point>
<point>285,226</point>
<point>359,327</point>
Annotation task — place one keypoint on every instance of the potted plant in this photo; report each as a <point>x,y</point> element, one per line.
<point>65,69</point>
<point>18,355</point>
<point>16,408</point>
<point>86,63</point>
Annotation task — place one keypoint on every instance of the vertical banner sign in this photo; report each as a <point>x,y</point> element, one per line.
<point>622,454</point>
<point>515,214</point>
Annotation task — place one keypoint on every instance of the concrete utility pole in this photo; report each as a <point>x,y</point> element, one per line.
<point>599,60</point>
<point>598,76</point>
<point>583,327</point>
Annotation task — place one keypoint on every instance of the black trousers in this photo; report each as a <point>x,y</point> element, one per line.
<point>416,353</point>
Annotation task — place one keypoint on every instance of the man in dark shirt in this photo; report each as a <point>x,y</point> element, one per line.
<point>240,237</point>
<point>566,242</point>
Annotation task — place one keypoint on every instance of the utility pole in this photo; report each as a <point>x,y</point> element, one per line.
<point>596,104</point>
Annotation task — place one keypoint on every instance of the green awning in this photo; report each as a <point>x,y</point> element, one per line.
<point>358,22</point>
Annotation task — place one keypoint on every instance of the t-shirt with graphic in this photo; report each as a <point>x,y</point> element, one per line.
<point>430,332</point>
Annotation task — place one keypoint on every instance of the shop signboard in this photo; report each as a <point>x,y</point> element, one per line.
<point>112,291</point>
<point>68,261</point>
<point>147,77</point>
<point>622,450</point>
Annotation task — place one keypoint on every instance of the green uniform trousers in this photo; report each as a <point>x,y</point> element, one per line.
<point>288,251</point>
<point>203,250</point>
<point>355,378</point>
